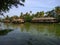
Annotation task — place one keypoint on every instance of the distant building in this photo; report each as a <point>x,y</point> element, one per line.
<point>44,19</point>
<point>6,21</point>
<point>17,21</point>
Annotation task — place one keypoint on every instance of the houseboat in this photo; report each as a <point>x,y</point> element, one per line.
<point>6,21</point>
<point>44,19</point>
<point>18,21</point>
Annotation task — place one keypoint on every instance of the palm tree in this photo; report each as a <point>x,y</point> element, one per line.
<point>7,17</point>
<point>37,14</point>
<point>41,14</point>
<point>57,10</point>
<point>21,15</point>
<point>30,12</point>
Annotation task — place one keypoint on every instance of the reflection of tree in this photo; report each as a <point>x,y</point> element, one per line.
<point>22,27</point>
<point>7,25</point>
<point>4,32</point>
<point>46,29</point>
<point>57,30</point>
<point>27,26</point>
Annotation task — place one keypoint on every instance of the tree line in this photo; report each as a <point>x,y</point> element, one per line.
<point>28,16</point>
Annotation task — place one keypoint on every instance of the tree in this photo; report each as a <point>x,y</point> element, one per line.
<point>21,15</point>
<point>7,17</point>
<point>48,14</point>
<point>57,10</point>
<point>51,13</point>
<point>5,5</point>
<point>30,12</point>
<point>37,14</point>
<point>27,17</point>
<point>41,14</point>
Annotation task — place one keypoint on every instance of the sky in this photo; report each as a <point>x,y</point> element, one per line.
<point>34,6</point>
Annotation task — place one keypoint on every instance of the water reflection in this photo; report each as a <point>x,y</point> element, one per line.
<point>32,34</point>
<point>36,29</point>
<point>5,31</point>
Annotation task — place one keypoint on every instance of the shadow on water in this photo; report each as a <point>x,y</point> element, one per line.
<point>5,31</point>
<point>32,34</point>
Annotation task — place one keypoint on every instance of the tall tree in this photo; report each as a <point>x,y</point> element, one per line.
<point>57,10</point>
<point>41,14</point>
<point>7,17</point>
<point>37,14</point>
<point>30,12</point>
<point>51,13</point>
<point>21,15</point>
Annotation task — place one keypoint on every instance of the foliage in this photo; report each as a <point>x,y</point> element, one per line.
<point>5,5</point>
<point>7,17</point>
<point>27,17</point>
<point>54,13</point>
<point>50,13</point>
<point>21,15</point>
<point>57,10</point>
<point>39,14</point>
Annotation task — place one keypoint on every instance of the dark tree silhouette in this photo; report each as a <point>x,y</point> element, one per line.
<point>5,5</point>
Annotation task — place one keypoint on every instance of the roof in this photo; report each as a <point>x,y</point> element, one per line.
<point>43,18</point>
<point>18,20</point>
<point>6,20</point>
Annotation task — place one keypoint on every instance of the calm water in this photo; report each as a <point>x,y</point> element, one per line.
<point>30,34</point>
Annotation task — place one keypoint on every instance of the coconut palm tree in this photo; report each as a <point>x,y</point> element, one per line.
<point>30,12</point>
<point>57,10</point>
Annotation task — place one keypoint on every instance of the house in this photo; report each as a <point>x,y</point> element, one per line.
<point>44,19</point>
<point>17,21</point>
<point>6,21</point>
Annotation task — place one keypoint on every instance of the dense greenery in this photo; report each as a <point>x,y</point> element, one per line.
<point>27,17</point>
<point>54,13</point>
<point>57,10</point>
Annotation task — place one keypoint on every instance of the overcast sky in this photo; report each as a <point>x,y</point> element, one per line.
<point>34,6</point>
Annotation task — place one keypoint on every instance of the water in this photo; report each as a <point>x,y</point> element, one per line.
<point>30,34</point>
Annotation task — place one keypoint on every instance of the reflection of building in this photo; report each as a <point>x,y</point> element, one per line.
<point>17,21</point>
<point>6,21</point>
<point>44,19</point>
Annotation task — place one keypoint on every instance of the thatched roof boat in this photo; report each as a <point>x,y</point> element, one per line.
<point>17,21</point>
<point>44,19</point>
<point>6,21</point>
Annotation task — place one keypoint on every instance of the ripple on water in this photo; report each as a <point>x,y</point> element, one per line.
<point>28,39</point>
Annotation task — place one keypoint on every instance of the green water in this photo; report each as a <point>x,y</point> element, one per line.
<point>30,34</point>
